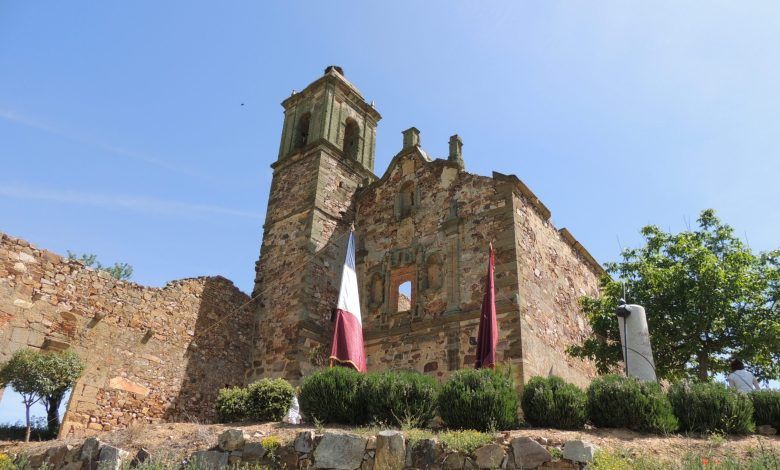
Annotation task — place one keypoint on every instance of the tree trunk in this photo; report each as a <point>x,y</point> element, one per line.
<point>703,371</point>
<point>52,403</point>
<point>27,417</point>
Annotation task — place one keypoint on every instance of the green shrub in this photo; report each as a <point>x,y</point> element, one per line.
<point>551,402</point>
<point>711,407</point>
<point>766,406</point>
<point>625,402</point>
<point>269,400</point>
<point>334,395</point>
<point>231,404</point>
<point>402,398</point>
<point>480,399</point>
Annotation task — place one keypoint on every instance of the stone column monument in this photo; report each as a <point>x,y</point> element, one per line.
<point>635,341</point>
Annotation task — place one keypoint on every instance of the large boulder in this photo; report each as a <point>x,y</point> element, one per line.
<point>231,439</point>
<point>529,453</point>
<point>490,456</point>
<point>579,451</point>
<point>390,450</point>
<point>339,451</point>
<point>423,453</point>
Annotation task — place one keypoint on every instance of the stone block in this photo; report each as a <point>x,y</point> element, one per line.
<point>390,450</point>
<point>209,460</point>
<point>529,453</point>
<point>253,452</point>
<point>490,456</point>
<point>90,450</point>
<point>304,442</point>
<point>232,439</point>
<point>339,451</point>
<point>111,458</point>
<point>579,451</point>
<point>454,461</point>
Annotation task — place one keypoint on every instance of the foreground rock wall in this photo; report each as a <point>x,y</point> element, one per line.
<point>387,450</point>
<point>152,354</point>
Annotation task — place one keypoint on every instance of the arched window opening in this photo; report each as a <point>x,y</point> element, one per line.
<point>302,131</point>
<point>406,198</point>
<point>351,138</point>
<point>405,297</point>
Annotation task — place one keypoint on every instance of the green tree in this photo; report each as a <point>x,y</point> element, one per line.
<point>121,271</point>
<point>708,297</point>
<point>40,376</point>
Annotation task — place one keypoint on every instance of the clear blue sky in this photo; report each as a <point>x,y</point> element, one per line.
<point>122,131</point>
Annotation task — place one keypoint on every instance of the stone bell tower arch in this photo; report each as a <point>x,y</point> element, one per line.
<point>326,153</point>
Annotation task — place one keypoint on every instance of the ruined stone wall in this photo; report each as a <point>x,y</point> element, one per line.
<point>554,274</point>
<point>441,246</point>
<point>152,354</point>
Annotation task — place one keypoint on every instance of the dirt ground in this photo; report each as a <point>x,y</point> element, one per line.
<point>177,440</point>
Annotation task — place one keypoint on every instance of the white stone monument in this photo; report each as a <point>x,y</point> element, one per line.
<point>635,342</point>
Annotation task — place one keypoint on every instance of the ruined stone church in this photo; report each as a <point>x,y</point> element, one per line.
<point>161,354</point>
<point>424,221</point>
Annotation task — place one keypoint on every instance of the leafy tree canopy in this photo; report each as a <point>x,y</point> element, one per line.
<point>40,376</point>
<point>708,298</point>
<point>121,271</point>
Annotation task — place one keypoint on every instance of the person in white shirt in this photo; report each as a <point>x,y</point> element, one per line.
<point>740,379</point>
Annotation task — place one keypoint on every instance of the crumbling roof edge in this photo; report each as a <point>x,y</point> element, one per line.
<point>526,192</point>
<point>577,246</point>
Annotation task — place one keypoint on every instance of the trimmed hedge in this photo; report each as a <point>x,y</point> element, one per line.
<point>551,402</point>
<point>625,402</point>
<point>480,399</point>
<point>269,400</point>
<point>231,404</point>
<point>401,398</point>
<point>711,407</point>
<point>766,406</point>
<point>264,400</point>
<point>334,395</point>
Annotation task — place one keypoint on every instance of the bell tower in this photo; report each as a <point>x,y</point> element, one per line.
<point>326,154</point>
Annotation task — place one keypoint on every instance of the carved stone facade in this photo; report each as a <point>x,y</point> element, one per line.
<point>426,223</point>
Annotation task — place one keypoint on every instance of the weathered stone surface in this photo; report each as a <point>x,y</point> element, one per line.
<point>766,430</point>
<point>90,450</point>
<point>339,451</point>
<point>234,458</point>
<point>579,451</point>
<point>232,439</point>
<point>149,335</point>
<point>55,456</point>
<point>287,457</point>
<point>454,461</point>
<point>253,452</point>
<point>111,457</point>
<point>390,450</point>
<point>209,459</point>
<point>529,453</point>
<point>304,442</point>
<point>423,453</point>
<point>490,456</point>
